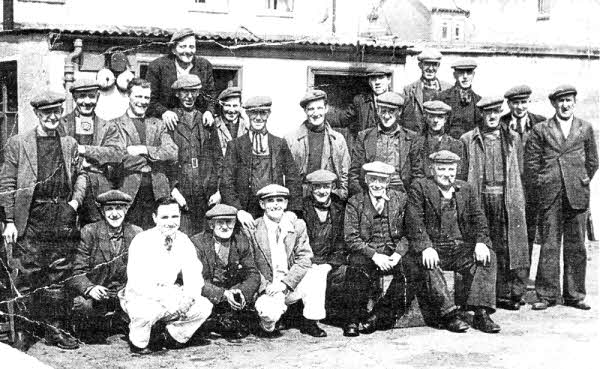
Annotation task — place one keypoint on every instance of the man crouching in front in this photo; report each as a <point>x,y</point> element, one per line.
<point>152,295</point>
<point>283,258</point>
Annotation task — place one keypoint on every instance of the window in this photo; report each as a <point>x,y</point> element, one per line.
<point>210,6</point>
<point>445,35</point>
<point>543,10</point>
<point>9,103</point>
<point>458,33</point>
<point>226,76</point>
<point>280,5</point>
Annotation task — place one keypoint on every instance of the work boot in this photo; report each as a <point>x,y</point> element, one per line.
<point>351,329</point>
<point>311,328</point>
<point>57,337</point>
<point>484,323</point>
<point>453,323</point>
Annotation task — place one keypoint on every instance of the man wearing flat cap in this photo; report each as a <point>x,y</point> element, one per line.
<point>447,230</point>
<point>194,179</point>
<point>388,142</point>
<point>434,137</point>
<point>373,230</point>
<point>231,279</point>
<point>282,254</point>
<point>492,168</point>
<point>561,159</point>
<point>99,144</point>
<point>362,113</point>
<point>424,89</point>
<point>324,217</point>
<point>462,99</point>
<point>255,160</point>
<point>150,153</point>
<point>164,71</point>
<point>315,145</point>
<point>99,269</point>
<point>41,188</point>
<point>522,121</point>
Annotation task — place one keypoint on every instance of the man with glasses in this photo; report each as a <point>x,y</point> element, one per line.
<point>40,190</point>
<point>255,160</point>
<point>230,277</point>
<point>389,143</point>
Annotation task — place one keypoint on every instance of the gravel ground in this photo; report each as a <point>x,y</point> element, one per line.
<point>557,337</point>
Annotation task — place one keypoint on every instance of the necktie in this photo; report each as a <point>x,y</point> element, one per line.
<point>168,243</point>
<point>379,205</point>
<point>277,234</point>
<point>259,146</point>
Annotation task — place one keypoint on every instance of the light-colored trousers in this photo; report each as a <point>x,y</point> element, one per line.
<point>145,311</point>
<point>311,290</point>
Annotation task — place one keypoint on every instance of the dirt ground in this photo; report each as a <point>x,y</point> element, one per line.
<point>555,338</point>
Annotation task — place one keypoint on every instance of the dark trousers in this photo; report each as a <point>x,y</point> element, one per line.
<point>510,284</point>
<point>531,217</point>
<point>97,316</point>
<point>90,211</point>
<point>140,212</point>
<point>561,222</point>
<point>478,280</point>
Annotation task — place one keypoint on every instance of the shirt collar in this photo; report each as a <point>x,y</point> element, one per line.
<point>562,121</point>
<point>447,194</point>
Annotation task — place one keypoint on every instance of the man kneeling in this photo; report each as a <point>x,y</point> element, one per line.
<point>99,269</point>
<point>157,257</point>
<point>230,277</point>
<point>283,254</point>
<point>448,231</point>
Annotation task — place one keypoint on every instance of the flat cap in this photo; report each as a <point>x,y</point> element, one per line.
<point>47,99</point>
<point>321,176</point>
<point>230,92</point>
<point>490,102</point>
<point>378,168</point>
<point>436,107</point>
<point>272,190</point>
<point>187,82</point>
<point>562,90</point>
<point>258,103</point>
<point>464,64</point>
<point>84,84</point>
<point>221,211</point>
<point>430,55</point>
<point>378,71</point>
<point>518,92</point>
<point>113,197</point>
<point>444,156</point>
<point>312,95</point>
<point>181,34</point>
<point>390,99</point>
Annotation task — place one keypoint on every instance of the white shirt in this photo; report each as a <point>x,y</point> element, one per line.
<point>277,247</point>
<point>447,194</point>
<point>375,201</point>
<point>151,267</point>
<point>565,125</point>
<point>181,71</point>
<point>519,124</point>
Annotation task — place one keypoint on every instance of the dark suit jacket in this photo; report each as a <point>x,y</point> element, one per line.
<point>161,75</point>
<point>334,252</point>
<point>360,115</point>
<point>236,182</point>
<point>533,120</point>
<point>365,151</point>
<point>463,117</point>
<point>95,262</point>
<point>446,142</point>
<point>412,114</point>
<point>241,262</point>
<point>551,161</point>
<point>423,214</point>
<point>358,226</point>
<point>20,170</point>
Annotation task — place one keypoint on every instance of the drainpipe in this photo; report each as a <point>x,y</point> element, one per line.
<point>333,15</point>
<point>70,66</point>
<point>8,21</point>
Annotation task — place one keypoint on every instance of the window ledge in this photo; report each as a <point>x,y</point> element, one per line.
<point>209,11</point>
<point>43,1</point>
<point>543,17</point>
<point>276,14</point>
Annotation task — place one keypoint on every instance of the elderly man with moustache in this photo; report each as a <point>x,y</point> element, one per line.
<point>389,143</point>
<point>41,188</point>
<point>462,99</point>
<point>231,279</point>
<point>447,230</point>
<point>157,258</point>
<point>283,258</point>
<point>492,155</point>
<point>424,89</point>
<point>315,145</point>
<point>164,71</point>
<point>561,158</point>
<point>99,269</point>
<point>150,152</point>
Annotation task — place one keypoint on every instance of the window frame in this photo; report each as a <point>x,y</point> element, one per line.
<point>265,11</point>
<point>543,10</point>
<point>210,6</point>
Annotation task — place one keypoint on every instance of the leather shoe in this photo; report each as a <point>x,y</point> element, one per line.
<point>484,323</point>
<point>311,328</point>
<point>61,339</point>
<point>351,330</point>
<point>282,325</point>
<point>541,305</point>
<point>171,343</point>
<point>370,325</point>
<point>139,350</point>
<point>508,304</point>
<point>578,305</point>
<point>23,341</point>
<point>455,324</point>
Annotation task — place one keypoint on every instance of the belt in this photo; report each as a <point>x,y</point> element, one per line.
<point>193,163</point>
<point>444,244</point>
<point>54,200</point>
<point>493,190</point>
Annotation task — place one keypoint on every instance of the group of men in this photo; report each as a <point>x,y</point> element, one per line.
<point>185,213</point>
